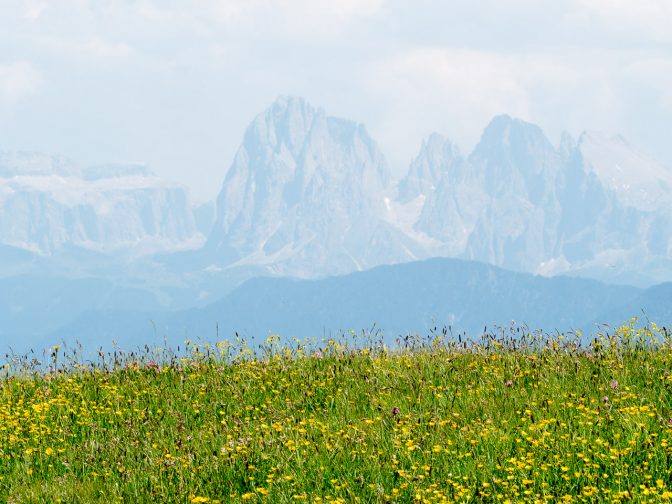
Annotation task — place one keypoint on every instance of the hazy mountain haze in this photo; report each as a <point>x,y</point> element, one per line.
<point>116,250</point>
<point>249,162</point>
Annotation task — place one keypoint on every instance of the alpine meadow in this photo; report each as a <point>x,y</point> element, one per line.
<point>514,417</point>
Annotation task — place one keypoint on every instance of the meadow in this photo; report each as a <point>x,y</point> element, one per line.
<point>513,417</point>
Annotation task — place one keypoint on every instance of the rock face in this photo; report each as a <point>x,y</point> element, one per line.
<point>498,205</point>
<point>437,156</point>
<point>306,196</point>
<point>310,195</point>
<point>593,207</point>
<point>48,203</point>
<point>617,210</point>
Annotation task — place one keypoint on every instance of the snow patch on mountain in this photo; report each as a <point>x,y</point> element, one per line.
<point>636,180</point>
<point>16,163</point>
<point>48,203</point>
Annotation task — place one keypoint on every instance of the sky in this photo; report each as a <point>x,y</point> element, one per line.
<point>174,83</point>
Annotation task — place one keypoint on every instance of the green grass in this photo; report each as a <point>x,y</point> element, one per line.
<point>526,419</point>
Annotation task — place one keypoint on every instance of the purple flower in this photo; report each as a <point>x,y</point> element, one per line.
<point>613,384</point>
<point>395,411</point>
<point>509,383</point>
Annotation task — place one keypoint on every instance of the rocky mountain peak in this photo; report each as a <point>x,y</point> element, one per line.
<point>283,125</point>
<point>514,157</point>
<point>507,134</point>
<point>301,181</point>
<point>567,145</point>
<point>437,157</point>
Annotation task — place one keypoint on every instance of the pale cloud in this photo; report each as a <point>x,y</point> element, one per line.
<point>295,17</point>
<point>648,19</point>
<point>654,74</point>
<point>336,10</point>
<point>33,9</point>
<point>18,80</point>
<point>642,11</point>
<point>457,92</point>
<point>342,10</point>
<point>94,50</point>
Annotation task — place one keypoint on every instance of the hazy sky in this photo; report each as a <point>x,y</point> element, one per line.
<point>174,83</point>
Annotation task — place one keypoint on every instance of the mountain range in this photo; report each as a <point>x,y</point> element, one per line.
<point>311,196</point>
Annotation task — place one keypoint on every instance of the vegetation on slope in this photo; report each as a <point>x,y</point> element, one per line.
<point>517,418</point>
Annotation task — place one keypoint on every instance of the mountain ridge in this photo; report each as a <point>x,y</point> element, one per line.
<point>409,298</point>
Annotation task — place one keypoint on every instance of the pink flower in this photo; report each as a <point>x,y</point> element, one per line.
<point>153,365</point>
<point>613,384</point>
<point>509,383</point>
<point>395,411</point>
<point>605,399</point>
